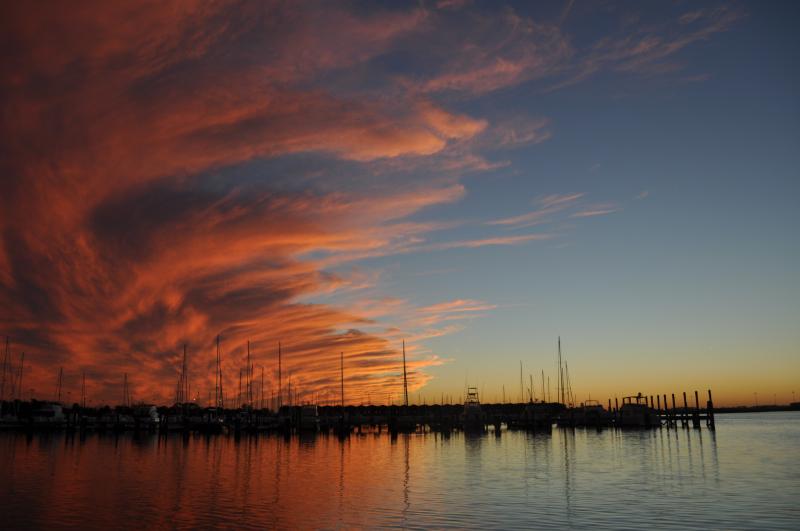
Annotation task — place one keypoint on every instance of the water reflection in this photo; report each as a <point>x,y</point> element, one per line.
<point>567,478</point>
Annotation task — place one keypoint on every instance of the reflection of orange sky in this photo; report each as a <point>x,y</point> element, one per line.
<point>266,481</point>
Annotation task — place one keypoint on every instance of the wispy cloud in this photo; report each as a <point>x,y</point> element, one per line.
<point>596,210</point>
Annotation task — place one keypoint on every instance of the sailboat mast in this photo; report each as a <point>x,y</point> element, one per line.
<point>19,378</point>
<point>58,387</point>
<point>560,390</point>
<point>5,369</point>
<point>405,376</point>
<point>280,388</point>
<point>532,394</point>
<point>341,366</point>
<point>544,392</point>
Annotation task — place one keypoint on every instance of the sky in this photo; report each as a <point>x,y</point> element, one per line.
<point>476,179</point>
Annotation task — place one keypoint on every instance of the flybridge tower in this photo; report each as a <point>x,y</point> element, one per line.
<point>405,376</point>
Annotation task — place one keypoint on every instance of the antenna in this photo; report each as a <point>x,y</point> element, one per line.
<point>405,376</point>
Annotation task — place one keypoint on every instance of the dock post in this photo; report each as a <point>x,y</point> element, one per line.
<point>672,414</point>
<point>696,415</point>
<point>616,411</point>
<point>666,409</point>
<point>710,412</point>
<point>685,419</point>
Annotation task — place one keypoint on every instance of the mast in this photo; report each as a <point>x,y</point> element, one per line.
<point>341,365</point>
<point>532,395</point>
<point>249,376</point>
<point>261,394</point>
<point>239,401</point>
<point>19,378</point>
<point>560,390</point>
<point>5,369</point>
<point>218,380</point>
<point>83,391</point>
<point>405,377</point>
<point>521,391</point>
<point>280,388</point>
<point>544,393</point>
<point>570,397</point>
<point>58,387</point>
<point>182,393</point>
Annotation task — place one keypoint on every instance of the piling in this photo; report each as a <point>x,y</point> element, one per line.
<point>685,416</point>
<point>696,415</point>
<point>710,412</point>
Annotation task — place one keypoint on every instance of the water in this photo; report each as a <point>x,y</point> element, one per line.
<point>744,476</point>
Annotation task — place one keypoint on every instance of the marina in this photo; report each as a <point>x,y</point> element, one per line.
<point>742,475</point>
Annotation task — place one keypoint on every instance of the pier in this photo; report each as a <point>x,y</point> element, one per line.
<point>638,412</point>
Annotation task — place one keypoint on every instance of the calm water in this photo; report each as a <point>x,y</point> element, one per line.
<point>744,476</point>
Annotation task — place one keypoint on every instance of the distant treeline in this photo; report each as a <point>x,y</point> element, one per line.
<point>794,406</point>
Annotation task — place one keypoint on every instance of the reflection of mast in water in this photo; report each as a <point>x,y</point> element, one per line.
<point>406,503</point>
<point>341,483</point>
<point>567,472</point>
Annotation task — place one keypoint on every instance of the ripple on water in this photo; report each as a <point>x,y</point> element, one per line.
<point>744,476</point>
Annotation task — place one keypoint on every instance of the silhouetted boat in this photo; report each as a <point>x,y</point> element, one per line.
<point>309,418</point>
<point>48,415</point>
<point>637,414</point>
<point>473,419</point>
<point>146,417</point>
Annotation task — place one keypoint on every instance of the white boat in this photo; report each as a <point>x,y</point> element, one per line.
<point>48,415</point>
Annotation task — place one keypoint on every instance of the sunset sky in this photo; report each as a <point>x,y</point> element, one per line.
<point>477,178</point>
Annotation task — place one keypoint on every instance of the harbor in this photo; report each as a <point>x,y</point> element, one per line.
<point>637,413</point>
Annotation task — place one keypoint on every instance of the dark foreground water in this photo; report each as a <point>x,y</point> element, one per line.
<point>744,476</point>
